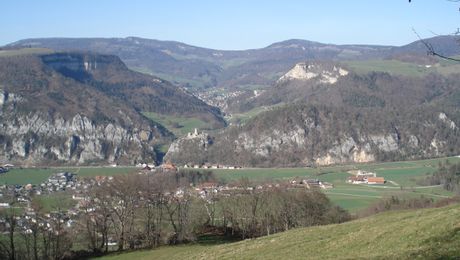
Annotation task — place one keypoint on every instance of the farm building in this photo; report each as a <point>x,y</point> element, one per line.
<point>375,180</point>
<point>357,179</point>
<point>168,166</point>
<point>366,178</point>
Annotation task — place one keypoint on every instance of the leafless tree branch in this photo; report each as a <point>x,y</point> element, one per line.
<point>430,49</point>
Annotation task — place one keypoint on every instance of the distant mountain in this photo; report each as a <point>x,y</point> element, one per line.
<point>223,78</point>
<point>196,67</point>
<point>84,108</point>
<point>445,45</point>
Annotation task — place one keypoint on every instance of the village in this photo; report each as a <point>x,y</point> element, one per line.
<point>68,183</point>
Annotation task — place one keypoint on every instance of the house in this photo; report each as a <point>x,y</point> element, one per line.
<point>146,168</point>
<point>375,180</point>
<point>3,170</point>
<point>357,179</point>
<point>326,185</point>
<point>208,185</point>
<point>168,167</point>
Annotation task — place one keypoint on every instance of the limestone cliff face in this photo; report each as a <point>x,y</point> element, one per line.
<point>308,71</point>
<point>50,114</point>
<point>299,138</point>
<point>37,138</point>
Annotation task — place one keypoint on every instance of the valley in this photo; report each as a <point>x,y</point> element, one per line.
<point>129,143</point>
<point>401,179</point>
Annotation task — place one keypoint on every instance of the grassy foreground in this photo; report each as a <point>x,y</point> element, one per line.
<point>416,234</point>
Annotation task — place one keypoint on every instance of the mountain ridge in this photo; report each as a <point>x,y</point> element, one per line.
<point>200,68</point>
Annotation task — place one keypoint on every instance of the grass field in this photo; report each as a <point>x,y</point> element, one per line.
<point>401,179</point>
<point>242,118</point>
<point>178,125</point>
<point>414,234</point>
<point>389,66</point>
<point>24,51</point>
<point>22,176</point>
<point>353,197</point>
<point>396,67</point>
<point>56,201</point>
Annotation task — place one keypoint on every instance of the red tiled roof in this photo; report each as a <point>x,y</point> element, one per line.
<point>376,179</point>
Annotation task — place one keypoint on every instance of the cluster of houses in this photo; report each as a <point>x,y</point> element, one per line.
<point>63,181</point>
<point>208,189</point>
<point>60,182</point>
<point>28,222</point>
<point>364,177</point>
<point>168,166</point>
<point>165,167</point>
<point>211,166</point>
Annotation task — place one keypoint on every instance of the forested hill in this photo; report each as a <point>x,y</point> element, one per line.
<point>83,108</point>
<point>358,118</point>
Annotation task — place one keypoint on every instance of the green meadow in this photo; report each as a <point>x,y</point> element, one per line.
<point>178,125</point>
<point>22,176</point>
<point>396,67</point>
<point>409,234</point>
<point>401,179</point>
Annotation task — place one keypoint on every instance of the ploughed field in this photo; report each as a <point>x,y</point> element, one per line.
<point>402,179</point>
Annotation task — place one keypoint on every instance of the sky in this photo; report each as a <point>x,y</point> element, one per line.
<point>231,24</point>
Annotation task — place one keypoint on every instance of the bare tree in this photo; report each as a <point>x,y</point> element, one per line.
<point>431,50</point>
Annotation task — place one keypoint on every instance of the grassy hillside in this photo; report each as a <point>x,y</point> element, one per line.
<point>24,51</point>
<point>424,234</point>
<point>178,125</point>
<point>396,67</point>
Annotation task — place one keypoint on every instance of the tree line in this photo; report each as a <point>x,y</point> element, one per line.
<point>146,211</point>
<point>447,175</point>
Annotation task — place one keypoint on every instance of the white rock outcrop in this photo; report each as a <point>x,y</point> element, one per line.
<point>306,71</point>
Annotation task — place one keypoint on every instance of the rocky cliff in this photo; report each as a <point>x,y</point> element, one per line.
<point>300,135</point>
<point>307,71</point>
<point>40,138</point>
<point>71,108</point>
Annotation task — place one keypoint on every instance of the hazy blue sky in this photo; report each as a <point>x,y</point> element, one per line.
<point>230,24</point>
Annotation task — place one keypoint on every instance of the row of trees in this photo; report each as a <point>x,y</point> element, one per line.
<point>145,211</point>
<point>255,213</point>
<point>447,175</point>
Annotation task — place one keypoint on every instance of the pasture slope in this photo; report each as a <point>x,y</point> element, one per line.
<point>411,234</point>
